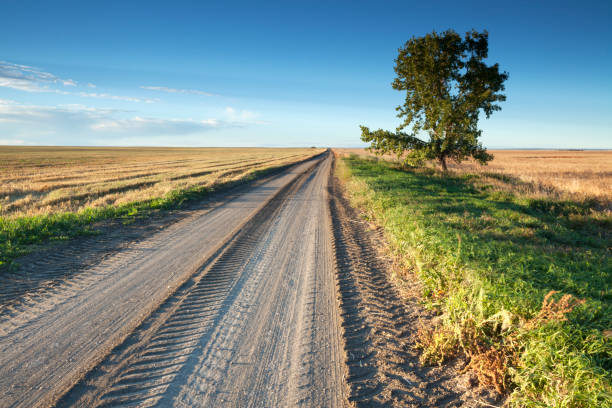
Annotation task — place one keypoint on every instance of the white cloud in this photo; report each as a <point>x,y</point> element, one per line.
<point>156,127</point>
<point>20,85</point>
<point>30,79</point>
<point>82,125</point>
<point>116,97</point>
<point>178,91</point>
<point>26,78</point>
<point>242,115</point>
<point>58,117</point>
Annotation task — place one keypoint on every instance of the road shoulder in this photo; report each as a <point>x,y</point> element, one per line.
<point>381,321</point>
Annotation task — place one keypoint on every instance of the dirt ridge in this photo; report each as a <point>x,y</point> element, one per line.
<point>380,325</point>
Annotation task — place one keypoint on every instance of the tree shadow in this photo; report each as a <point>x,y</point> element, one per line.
<point>559,244</point>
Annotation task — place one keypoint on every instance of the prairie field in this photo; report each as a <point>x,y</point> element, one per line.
<point>45,180</point>
<point>557,174</point>
<point>517,270</point>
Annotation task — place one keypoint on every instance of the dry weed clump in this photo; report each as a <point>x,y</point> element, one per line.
<point>438,343</point>
<point>491,365</point>
<point>554,310</point>
<point>45,180</point>
<point>491,347</point>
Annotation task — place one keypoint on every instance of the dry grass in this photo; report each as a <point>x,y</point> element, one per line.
<point>43,180</point>
<point>575,174</point>
<point>559,174</point>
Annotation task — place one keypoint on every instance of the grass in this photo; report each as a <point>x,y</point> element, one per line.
<point>584,176</point>
<point>20,233</point>
<point>523,285</point>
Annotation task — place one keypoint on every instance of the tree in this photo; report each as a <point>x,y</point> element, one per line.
<point>447,85</point>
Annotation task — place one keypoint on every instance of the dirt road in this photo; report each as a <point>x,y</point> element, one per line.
<point>274,296</point>
<point>247,321</point>
<point>258,326</point>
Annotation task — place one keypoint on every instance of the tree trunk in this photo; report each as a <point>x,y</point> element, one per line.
<point>443,163</point>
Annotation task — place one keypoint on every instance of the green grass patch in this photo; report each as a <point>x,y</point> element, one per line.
<point>488,260</point>
<point>20,235</point>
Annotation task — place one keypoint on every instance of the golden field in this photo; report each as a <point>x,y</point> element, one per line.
<point>43,180</point>
<point>571,174</point>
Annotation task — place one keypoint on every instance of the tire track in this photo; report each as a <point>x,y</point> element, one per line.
<point>379,325</point>
<point>257,326</point>
<point>139,371</point>
<point>50,336</point>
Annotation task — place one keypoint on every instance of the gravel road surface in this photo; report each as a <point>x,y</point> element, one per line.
<point>245,295</point>
<point>275,295</point>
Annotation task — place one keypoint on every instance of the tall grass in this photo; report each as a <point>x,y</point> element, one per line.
<point>523,285</point>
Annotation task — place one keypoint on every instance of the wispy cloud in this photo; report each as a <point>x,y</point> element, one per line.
<point>62,116</point>
<point>240,114</point>
<point>14,142</point>
<point>178,91</point>
<point>243,116</point>
<point>29,79</point>
<point>151,126</point>
<point>117,97</point>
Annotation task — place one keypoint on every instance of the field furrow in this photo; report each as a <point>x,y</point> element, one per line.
<point>41,181</point>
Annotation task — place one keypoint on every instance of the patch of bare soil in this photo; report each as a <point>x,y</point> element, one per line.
<point>381,323</point>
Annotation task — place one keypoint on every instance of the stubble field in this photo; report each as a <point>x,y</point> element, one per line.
<point>550,174</point>
<point>44,180</point>
<point>51,193</point>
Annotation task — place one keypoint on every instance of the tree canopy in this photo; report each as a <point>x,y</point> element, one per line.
<point>447,85</point>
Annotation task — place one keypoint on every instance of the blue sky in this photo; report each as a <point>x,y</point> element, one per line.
<point>286,73</point>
